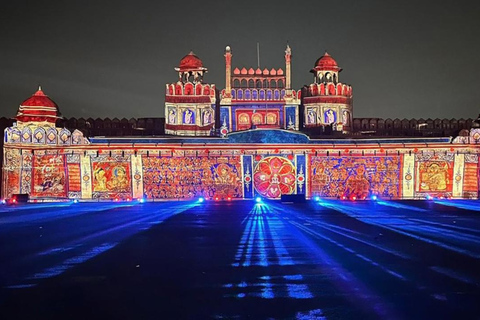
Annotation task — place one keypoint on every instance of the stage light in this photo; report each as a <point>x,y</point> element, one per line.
<point>258,199</point>
<point>201,199</point>
<point>317,198</point>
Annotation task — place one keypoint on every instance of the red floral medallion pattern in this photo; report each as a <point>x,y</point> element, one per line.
<point>274,176</point>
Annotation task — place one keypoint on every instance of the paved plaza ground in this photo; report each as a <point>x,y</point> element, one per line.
<point>241,260</point>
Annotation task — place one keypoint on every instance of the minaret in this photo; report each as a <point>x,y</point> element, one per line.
<point>228,72</point>
<point>288,57</point>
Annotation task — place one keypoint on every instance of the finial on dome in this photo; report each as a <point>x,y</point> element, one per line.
<point>228,49</point>
<point>39,88</point>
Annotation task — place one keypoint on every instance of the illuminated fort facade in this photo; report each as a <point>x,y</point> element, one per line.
<point>248,139</point>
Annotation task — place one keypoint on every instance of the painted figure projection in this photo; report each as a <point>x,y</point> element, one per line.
<point>345,118</point>
<point>188,177</point>
<point>434,173</point>
<point>355,176</point>
<point>207,117</point>
<point>274,176</point>
<point>188,117</point>
<point>111,177</point>
<point>330,116</point>
<point>311,116</point>
<point>172,116</point>
<point>49,176</point>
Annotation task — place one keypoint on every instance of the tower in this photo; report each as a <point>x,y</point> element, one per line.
<point>328,102</point>
<point>189,103</point>
<point>258,98</point>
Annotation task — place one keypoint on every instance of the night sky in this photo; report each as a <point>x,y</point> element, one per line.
<point>405,59</point>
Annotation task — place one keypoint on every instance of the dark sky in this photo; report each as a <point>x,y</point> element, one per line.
<point>405,59</point>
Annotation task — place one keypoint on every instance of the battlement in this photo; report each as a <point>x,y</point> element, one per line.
<point>244,94</point>
<point>190,89</point>
<point>329,89</point>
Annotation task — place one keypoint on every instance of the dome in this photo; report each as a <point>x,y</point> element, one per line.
<point>191,61</point>
<point>39,107</point>
<point>326,62</point>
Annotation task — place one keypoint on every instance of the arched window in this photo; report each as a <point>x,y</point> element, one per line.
<point>243,119</point>
<point>269,94</point>
<point>271,118</point>
<point>262,94</point>
<point>257,118</point>
<point>277,95</point>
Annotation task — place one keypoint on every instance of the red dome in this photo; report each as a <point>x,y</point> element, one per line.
<point>39,99</point>
<point>39,107</point>
<point>191,61</point>
<point>326,62</point>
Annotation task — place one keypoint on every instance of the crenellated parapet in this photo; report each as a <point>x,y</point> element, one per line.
<point>36,135</point>
<point>190,89</point>
<point>329,89</point>
<point>263,95</point>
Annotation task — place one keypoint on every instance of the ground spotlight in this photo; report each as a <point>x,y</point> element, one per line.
<point>217,198</point>
<point>229,198</point>
<point>201,199</point>
<point>258,199</point>
<point>374,197</point>
<point>128,199</point>
<point>4,201</point>
<point>141,200</point>
<point>317,198</point>
<point>75,200</point>
<point>354,198</point>
<point>429,197</point>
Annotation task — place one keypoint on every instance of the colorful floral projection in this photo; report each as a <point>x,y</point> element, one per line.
<point>274,176</point>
